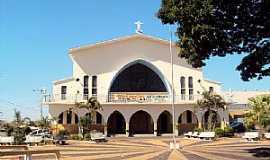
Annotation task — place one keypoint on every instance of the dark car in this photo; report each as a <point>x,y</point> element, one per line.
<point>237,126</point>
<point>60,139</point>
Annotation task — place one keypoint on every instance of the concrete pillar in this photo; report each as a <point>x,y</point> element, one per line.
<point>155,128</point>
<point>200,124</point>
<point>73,118</point>
<point>200,119</point>
<point>105,130</point>
<point>127,129</point>
<point>94,118</point>
<point>176,132</point>
<point>65,117</point>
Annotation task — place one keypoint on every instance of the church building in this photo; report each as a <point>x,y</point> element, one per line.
<point>131,77</point>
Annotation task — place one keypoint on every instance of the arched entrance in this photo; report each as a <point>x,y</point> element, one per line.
<point>215,119</point>
<point>68,117</point>
<point>69,120</point>
<point>116,124</point>
<point>141,123</point>
<point>187,121</point>
<point>164,123</point>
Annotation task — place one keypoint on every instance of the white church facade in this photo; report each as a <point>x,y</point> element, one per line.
<point>131,77</point>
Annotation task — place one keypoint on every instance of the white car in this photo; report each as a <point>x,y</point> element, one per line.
<point>41,132</point>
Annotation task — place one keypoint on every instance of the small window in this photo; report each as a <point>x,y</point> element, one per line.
<point>183,87</point>
<point>190,82</point>
<point>85,87</point>
<point>94,85</point>
<point>190,88</point>
<point>94,81</point>
<point>63,92</point>
<point>85,81</point>
<point>94,91</point>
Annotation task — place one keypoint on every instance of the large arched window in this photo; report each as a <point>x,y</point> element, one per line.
<point>138,78</point>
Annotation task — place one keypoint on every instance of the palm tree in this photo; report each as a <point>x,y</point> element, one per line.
<point>259,114</point>
<point>92,105</point>
<point>211,102</point>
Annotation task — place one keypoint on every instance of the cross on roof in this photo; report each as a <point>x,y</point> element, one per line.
<point>138,27</point>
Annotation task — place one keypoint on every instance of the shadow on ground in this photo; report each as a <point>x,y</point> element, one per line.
<point>260,152</point>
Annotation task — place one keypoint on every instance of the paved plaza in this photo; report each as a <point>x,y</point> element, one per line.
<point>158,149</point>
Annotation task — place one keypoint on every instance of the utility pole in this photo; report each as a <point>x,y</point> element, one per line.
<point>42,93</point>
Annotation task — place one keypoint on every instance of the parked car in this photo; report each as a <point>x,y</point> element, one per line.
<point>237,126</point>
<point>3,132</point>
<point>41,132</point>
<point>60,139</point>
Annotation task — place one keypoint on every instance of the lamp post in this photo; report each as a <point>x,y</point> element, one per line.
<point>173,145</point>
<point>42,93</point>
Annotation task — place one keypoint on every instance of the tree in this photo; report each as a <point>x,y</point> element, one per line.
<point>259,114</point>
<point>211,102</point>
<point>44,123</point>
<point>19,128</point>
<point>208,28</point>
<point>85,122</point>
<point>92,105</point>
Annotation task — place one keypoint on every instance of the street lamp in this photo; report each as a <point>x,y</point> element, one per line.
<point>173,145</point>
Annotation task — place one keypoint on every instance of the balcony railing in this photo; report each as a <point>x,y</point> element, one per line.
<point>124,97</point>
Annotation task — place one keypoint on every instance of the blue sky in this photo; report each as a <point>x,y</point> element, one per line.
<point>35,36</point>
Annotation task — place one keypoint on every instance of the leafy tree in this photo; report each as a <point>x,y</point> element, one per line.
<point>210,103</point>
<point>208,28</point>
<point>92,105</point>
<point>259,114</point>
<point>44,122</point>
<point>18,130</point>
<point>85,122</point>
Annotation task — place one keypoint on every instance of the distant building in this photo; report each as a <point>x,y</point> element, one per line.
<point>131,77</point>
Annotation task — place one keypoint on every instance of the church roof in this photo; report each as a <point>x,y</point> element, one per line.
<point>119,39</point>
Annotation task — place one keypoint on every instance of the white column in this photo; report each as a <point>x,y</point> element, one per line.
<point>94,118</point>
<point>73,118</point>
<point>127,129</point>
<point>200,120</point>
<point>65,117</point>
<point>105,130</point>
<point>155,128</point>
<point>176,131</point>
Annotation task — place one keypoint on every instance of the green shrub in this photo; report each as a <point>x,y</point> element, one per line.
<point>228,132</point>
<point>76,137</point>
<point>19,135</point>
<point>63,133</point>
<point>219,132</point>
<point>198,130</point>
<point>87,136</point>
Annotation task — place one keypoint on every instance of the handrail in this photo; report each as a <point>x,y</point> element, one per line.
<point>124,97</point>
